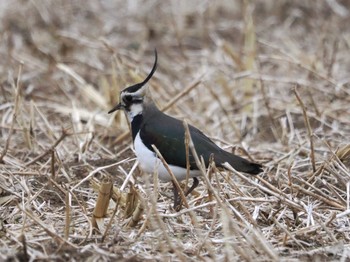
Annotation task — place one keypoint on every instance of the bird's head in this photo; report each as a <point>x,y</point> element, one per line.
<point>132,98</point>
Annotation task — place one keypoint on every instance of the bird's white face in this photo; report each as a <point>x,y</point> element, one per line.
<point>131,103</point>
<point>132,98</point>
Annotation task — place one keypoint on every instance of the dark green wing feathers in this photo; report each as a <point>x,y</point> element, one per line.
<point>170,140</point>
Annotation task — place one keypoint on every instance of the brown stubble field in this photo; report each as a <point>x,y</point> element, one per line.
<point>268,80</point>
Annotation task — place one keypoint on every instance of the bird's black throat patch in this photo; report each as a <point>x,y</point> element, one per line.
<point>136,125</point>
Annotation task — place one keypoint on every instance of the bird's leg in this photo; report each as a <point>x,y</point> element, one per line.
<point>194,185</point>
<point>177,200</point>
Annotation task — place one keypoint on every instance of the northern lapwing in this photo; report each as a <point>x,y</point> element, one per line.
<point>150,126</point>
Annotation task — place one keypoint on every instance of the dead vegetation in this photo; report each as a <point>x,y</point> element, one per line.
<point>267,79</point>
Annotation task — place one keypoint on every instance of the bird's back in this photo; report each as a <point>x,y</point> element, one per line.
<point>168,135</point>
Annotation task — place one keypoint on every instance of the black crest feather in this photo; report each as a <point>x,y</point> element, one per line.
<point>136,87</point>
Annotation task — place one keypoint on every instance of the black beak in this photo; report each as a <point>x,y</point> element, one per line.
<point>117,107</point>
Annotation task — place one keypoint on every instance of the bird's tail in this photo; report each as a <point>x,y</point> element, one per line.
<point>240,164</point>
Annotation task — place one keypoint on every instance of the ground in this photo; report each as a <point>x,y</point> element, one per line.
<point>268,80</point>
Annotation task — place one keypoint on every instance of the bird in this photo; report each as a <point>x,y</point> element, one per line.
<point>150,126</point>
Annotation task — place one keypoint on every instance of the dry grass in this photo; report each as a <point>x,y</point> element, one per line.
<point>268,79</point>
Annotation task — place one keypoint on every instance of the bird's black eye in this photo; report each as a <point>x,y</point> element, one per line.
<point>127,98</point>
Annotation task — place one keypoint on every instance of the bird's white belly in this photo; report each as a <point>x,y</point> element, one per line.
<point>150,163</point>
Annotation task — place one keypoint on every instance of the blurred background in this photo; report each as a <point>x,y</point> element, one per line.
<point>231,47</point>
<point>234,69</point>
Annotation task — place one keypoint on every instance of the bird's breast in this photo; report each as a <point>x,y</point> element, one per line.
<point>149,163</point>
<point>136,125</point>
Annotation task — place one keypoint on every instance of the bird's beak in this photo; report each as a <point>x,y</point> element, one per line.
<point>117,107</point>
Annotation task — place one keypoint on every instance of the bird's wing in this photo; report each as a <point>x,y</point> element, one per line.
<point>170,141</point>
